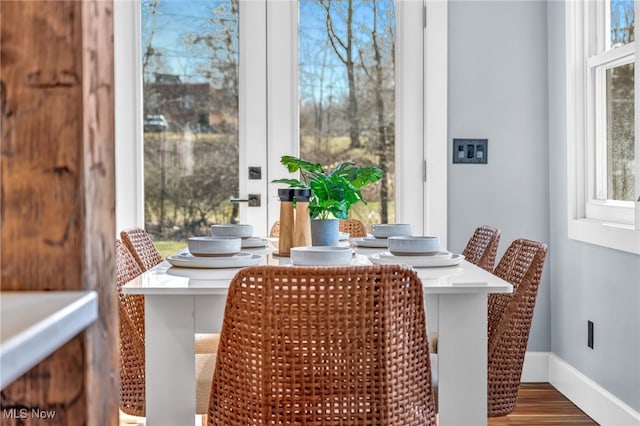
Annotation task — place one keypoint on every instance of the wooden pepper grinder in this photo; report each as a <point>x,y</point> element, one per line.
<point>302,229</point>
<point>285,240</point>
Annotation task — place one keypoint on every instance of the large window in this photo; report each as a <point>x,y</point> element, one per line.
<point>211,93</point>
<point>603,160</point>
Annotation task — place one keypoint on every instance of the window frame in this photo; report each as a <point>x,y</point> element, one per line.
<point>608,223</point>
<point>597,206</point>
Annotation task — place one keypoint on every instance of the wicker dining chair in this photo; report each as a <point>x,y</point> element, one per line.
<point>275,230</point>
<point>354,227</point>
<point>509,322</point>
<point>132,344</point>
<point>146,255</point>
<point>140,245</point>
<point>482,247</point>
<point>323,346</point>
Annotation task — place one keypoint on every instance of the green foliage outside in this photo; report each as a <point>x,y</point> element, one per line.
<point>188,182</point>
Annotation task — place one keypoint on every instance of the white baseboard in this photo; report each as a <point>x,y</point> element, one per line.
<point>593,399</point>
<point>535,368</point>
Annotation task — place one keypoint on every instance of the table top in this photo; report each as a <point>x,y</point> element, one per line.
<point>35,324</point>
<point>164,279</point>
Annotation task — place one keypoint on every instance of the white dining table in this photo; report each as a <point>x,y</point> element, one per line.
<point>182,301</point>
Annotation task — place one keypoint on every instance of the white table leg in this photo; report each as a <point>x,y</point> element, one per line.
<point>462,359</point>
<point>170,360</point>
<point>209,313</point>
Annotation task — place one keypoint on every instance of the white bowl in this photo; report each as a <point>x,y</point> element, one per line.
<point>238,230</point>
<point>321,255</point>
<point>385,230</point>
<point>214,246</point>
<point>414,246</point>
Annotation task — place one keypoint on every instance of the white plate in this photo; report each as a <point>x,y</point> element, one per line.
<point>254,242</point>
<point>321,255</point>
<point>371,242</point>
<point>415,261</point>
<point>408,258</point>
<point>343,236</point>
<point>239,260</point>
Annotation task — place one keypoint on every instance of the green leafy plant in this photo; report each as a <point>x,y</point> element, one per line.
<point>332,192</point>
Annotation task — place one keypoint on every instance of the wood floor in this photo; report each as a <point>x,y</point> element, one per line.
<point>539,404</point>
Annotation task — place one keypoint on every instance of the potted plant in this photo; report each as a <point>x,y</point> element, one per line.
<point>332,192</point>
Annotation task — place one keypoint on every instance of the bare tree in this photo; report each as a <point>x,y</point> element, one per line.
<point>150,14</point>
<point>374,62</point>
<point>219,42</point>
<point>382,128</point>
<point>343,46</point>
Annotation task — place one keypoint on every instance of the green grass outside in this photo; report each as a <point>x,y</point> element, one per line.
<point>167,248</point>
<point>170,136</point>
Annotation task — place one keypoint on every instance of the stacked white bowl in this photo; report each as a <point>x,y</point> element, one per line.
<point>321,255</point>
<point>386,230</point>
<point>214,246</point>
<point>414,246</point>
<point>232,230</point>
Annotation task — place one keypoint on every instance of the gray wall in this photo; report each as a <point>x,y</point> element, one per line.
<point>588,282</point>
<point>498,90</point>
<point>506,83</point>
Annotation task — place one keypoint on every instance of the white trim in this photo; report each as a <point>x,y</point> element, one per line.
<point>535,368</point>
<point>252,114</point>
<point>607,234</point>
<point>435,82</point>
<point>410,106</point>
<point>593,399</point>
<point>613,58</point>
<point>128,126</point>
<point>611,210</point>
<point>282,95</point>
<point>421,116</point>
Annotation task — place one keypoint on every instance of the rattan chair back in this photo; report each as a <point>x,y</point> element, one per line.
<point>482,247</point>
<point>132,360</point>
<point>275,230</point>
<point>354,227</point>
<point>141,247</point>
<point>509,322</point>
<point>323,346</point>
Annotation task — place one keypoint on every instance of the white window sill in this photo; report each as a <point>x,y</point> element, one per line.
<point>607,234</point>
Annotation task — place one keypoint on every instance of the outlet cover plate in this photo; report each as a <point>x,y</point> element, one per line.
<point>470,151</point>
